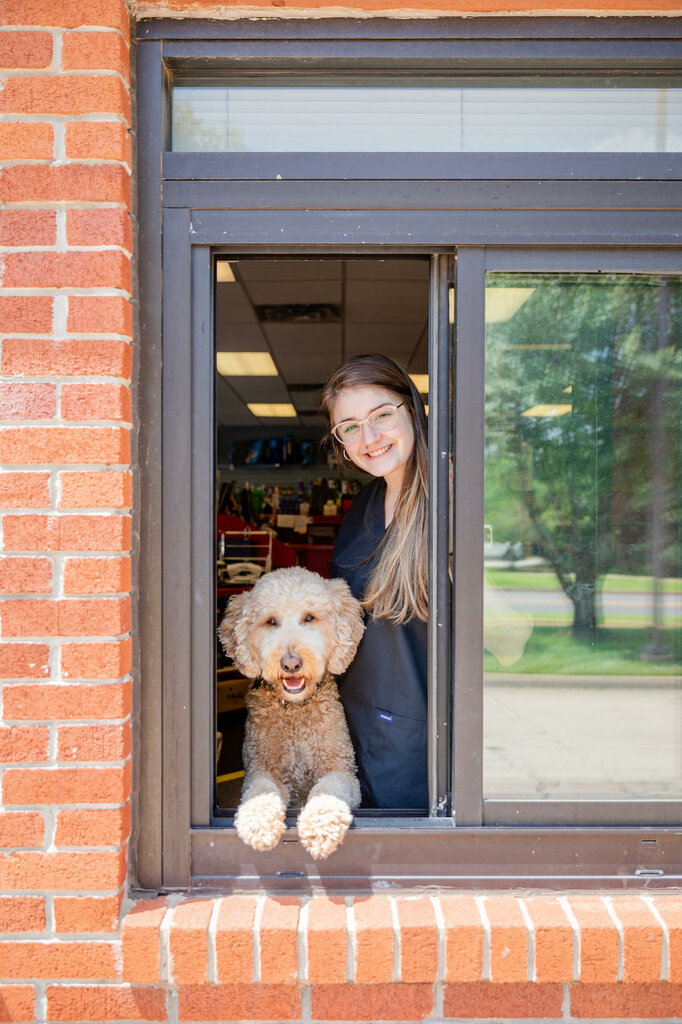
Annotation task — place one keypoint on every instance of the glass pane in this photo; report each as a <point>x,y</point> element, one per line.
<point>432,118</point>
<point>582,547</point>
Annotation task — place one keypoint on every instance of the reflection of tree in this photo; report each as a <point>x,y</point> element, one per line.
<point>583,477</point>
<point>192,132</point>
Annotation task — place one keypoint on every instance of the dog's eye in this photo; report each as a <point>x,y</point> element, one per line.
<point>309,618</point>
<point>271,622</point>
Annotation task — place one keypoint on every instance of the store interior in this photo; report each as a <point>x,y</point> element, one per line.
<point>281,327</point>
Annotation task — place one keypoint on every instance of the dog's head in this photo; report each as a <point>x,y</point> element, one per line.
<point>291,628</point>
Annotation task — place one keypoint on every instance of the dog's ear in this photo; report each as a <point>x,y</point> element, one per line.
<point>349,626</point>
<point>234,634</point>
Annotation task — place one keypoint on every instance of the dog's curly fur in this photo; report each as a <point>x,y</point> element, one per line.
<point>292,631</point>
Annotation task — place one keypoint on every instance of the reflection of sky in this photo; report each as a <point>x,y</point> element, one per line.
<point>338,119</point>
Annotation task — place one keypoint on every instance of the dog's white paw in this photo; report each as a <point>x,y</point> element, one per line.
<point>322,824</point>
<point>260,821</point>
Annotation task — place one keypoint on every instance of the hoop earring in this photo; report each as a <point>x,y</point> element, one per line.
<point>345,455</point>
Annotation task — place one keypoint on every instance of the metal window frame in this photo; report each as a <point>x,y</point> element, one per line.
<point>563,211</point>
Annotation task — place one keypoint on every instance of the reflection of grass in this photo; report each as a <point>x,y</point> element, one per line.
<point>553,650</point>
<point>520,579</point>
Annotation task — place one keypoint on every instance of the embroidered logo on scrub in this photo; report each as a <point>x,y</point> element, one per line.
<point>384,716</point>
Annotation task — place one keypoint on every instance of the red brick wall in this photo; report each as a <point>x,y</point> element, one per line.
<point>65,651</point>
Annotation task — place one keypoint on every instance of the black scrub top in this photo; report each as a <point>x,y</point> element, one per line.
<point>384,691</point>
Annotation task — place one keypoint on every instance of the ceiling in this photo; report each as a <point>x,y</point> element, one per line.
<point>359,306</point>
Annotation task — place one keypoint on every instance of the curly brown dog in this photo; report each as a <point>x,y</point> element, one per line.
<point>290,633</point>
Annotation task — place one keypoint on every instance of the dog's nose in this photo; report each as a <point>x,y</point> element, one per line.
<point>291,663</point>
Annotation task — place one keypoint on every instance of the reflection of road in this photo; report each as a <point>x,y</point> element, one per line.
<point>577,738</point>
<point>612,603</point>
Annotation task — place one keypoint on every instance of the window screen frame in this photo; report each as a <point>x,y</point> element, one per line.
<point>499,212</point>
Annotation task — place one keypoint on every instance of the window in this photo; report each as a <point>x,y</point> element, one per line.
<point>528,252</point>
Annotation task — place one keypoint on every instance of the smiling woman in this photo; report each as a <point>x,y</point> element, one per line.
<point>378,422</point>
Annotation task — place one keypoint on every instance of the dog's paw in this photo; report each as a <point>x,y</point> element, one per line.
<point>260,821</point>
<point>322,824</point>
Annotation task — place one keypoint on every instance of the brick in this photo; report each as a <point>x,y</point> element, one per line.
<point>669,907</point>
<point>95,402</point>
<point>642,939</point>
<point>371,1002</point>
<point>86,914</point>
<point>279,940</point>
<point>65,94</point>
<point>234,939</point>
<point>66,358</point>
<point>373,939</point>
<point>58,14</point>
<point>67,872</point>
<point>598,940</point>
<point>104,183</point>
<point>603,1002</point>
<point>20,401</point>
<point>102,742</point>
<point>67,270</point>
<point>189,942</point>
<point>64,445</point>
<point>238,1002</point>
<point>485,1000</point>
<point>58,960</point>
<point>25,576</point>
<point>508,939</point>
<point>38,786</point>
<point>97,661</point>
<point>70,617</point>
<point>25,141</point>
<point>100,314</point>
<point>23,743</point>
<point>463,937</point>
<point>21,829</point>
<point>93,827</point>
<point>553,938</point>
<point>24,661</point>
<point>327,939</point>
<point>140,941</point>
<point>25,50</point>
<point>66,533</point>
<point>55,702</point>
<point>25,314</point>
<point>97,575</point>
<point>17,1004</point>
<point>418,939</point>
<point>96,489</point>
<point>24,490</point>
<point>95,51</point>
<point>27,227</point>
<point>105,1002</point>
<point>22,914</point>
<point>99,227</point>
<point>98,140</point>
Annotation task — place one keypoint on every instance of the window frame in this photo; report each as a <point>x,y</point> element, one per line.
<point>586,216</point>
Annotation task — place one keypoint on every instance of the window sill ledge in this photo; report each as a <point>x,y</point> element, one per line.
<point>408,957</point>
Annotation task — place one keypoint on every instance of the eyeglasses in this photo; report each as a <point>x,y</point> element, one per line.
<point>382,420</point>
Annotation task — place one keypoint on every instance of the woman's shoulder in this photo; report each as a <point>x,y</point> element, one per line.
<point>367,497</point>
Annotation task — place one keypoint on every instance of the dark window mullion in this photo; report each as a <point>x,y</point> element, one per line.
<point>439,583</point>
<point>467,629</point>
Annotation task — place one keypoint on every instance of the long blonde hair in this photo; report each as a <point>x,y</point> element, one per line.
<point>397,588</point>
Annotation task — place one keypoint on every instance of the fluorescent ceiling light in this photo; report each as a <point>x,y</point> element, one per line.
<point>547,410</point>
<point>502,303</point>
<point>224,273</point>
<point>245,364</point>
<point>272,409</point>
<point>421,382</point>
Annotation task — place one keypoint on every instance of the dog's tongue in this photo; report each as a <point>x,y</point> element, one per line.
<point>293,683</point>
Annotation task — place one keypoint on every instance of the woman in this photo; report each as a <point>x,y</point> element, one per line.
<point>378,422</point>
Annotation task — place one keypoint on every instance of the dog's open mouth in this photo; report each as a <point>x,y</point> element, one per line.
<point>293,684</point>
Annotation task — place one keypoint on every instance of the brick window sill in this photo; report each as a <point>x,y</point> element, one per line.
<point>389,957</point>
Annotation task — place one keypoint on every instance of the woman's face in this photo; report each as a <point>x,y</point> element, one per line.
<point>381,454</point>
